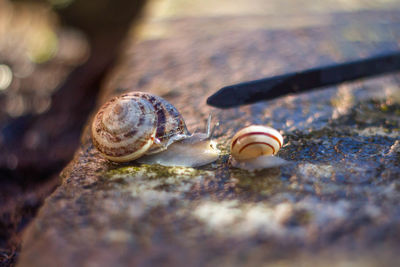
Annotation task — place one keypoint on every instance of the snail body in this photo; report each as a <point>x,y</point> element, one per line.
<point>254,147</point>
<point>135,124</point>
<point>194,151</point>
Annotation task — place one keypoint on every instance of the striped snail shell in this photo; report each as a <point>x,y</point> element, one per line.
<point>254,141</point>
<point>254,147</point>
<point>137,123</point>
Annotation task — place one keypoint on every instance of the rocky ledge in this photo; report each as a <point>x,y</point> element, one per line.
<point>336,202</point>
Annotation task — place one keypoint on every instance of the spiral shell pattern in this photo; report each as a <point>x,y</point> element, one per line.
<point>170,124</point>
<point>254,141</point>
<point>126,127</point>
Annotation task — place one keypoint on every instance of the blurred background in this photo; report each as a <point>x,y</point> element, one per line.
<point>52,56</point>
<point>55,53</point>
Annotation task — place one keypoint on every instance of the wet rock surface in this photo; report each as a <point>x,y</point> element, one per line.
<point>336,202</point>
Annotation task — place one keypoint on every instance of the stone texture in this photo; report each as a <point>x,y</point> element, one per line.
<point>336,203</point>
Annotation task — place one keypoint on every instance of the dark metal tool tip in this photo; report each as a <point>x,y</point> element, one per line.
<point>303,81</point>
<point>222,99</point>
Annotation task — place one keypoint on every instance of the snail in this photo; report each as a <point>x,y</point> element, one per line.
<point>254,147</point>
<point>146,127</point>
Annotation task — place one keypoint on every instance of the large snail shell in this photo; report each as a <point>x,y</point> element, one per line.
<point>254,141</point>
<point>127,126</point>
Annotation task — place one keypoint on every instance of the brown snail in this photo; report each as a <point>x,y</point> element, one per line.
<point>138,125</point>
<point>254,147</point>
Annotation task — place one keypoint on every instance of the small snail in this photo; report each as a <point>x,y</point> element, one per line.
<point>136,124</point>
<point>254,147</point>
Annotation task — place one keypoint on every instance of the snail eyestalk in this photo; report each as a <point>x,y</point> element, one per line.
<point>210,130</point>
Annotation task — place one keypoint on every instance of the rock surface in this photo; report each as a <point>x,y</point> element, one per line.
<point>336,203</point>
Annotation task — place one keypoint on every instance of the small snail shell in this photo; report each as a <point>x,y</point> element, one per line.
<point>135,124</point>
<point>127,126</point>
<point>254,141</point>
<point>253,148</point>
